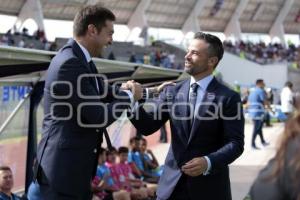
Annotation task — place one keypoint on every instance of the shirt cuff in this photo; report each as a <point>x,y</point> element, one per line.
<point>132,102</point>
<point>208,166</point>
<point>147,94</point>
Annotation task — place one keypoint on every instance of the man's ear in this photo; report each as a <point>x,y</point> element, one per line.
<point>213,61</point>
<point>91,29</point>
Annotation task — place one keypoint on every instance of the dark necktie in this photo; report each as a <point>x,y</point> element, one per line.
<point>98,81</point>
<point>193,99</point>
<point>93,67</point>
<point>94,70</point>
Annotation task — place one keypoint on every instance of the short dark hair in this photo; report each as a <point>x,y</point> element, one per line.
<point>259,81</point>
<point>123,150</point>
<point>5,168</point>
<point>91,14</point>
<point>215,45</point>
<point>111,151</point>
<point>144,140</point>
<point>102,150</point>
<point>289,84</point>
<point>133,139</point>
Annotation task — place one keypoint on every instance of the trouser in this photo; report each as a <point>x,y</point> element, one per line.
<point>180,191</point>
<point>257,130</point>
<point>48,193</point>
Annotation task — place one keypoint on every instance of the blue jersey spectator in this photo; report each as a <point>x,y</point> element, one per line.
<point>257,100</point>
<point>6,184</point>
<point>104,173</point>
<point>34,191</point>
<point>134,156</point>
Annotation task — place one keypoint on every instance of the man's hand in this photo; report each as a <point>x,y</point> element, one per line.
<point>135,88</point>
<point>158,89</point>
<point>125,86</point>
<point>195,167</point>
<point>163,85</point>
<point>149,151</point>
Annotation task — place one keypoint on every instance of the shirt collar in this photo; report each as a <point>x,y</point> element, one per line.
<point>203,83</point>
<point>85,52</point>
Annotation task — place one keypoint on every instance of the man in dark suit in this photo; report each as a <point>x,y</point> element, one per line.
<point>207,127</point>
<point>78,106</point>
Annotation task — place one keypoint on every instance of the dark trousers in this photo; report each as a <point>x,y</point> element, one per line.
<point>267,119</point>
<point>48,193</point>
<point>257,130</point>
<point>180,191</point>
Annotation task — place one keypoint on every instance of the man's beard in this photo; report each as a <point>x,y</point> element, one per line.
<point>194,70</point>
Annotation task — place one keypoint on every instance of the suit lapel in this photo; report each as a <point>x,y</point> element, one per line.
<point>78,52</point>
<point>207,100</point>
<point>182,100</point>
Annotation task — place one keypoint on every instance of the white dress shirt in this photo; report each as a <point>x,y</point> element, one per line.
<point>203,83</point>
<point>89,59</point>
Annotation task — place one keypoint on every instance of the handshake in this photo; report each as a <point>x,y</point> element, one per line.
<point>139,92</point>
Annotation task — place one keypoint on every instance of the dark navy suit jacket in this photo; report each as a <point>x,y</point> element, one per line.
<point>73,125</point>
<point>218,133</point>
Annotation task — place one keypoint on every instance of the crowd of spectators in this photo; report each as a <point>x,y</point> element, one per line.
<point>122,174</point>
<point>25,40</point>
<point>217,6</point>
<point>159,58</point>
<point>126,173</point>
<point>263,53</point>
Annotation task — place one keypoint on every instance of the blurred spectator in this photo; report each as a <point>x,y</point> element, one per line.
<point>53,46</point>
<point>103,185</point>
<point>21,43</point>
<point>287,100</point>
<point>217,6</point>
<point>135,186</point>
<point>280,179</point>
<point>47,45</point>
<point>172,60</point>
<point>6,184</point>
<point>257,101</point>
<point>165,60</point>
<point>263,53</point>
<point>34,192</point>
<point>111,56</point>
<point>270,98</point>
<point>119,178</point>
<point>150,162</point>
<point>39,35</point>
<point>146,59</point>
<point>134,156</point>
<point>132,58</point>
<point>157,59</point>
<point>245,96</point>
<point>297,18</point>
<point>8,38</point>
<point>25,32</point>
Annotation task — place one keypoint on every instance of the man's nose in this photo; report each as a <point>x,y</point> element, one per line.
<point>187,56</point>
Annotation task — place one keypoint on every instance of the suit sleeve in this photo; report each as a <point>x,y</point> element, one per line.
<point>152,115</point>
<point>233,132</point>
<point>100,111</point>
